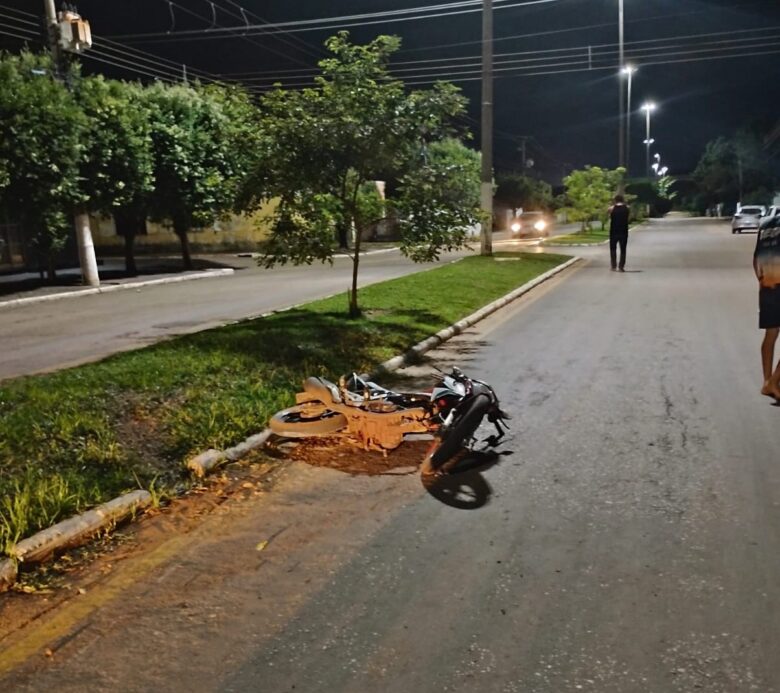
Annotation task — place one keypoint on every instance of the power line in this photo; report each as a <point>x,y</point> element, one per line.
<point>638,50</point>
<point>340,22</point>
<point>295,41</point>
<point>399,67</point>
<point>107,58</point>
<point>641,20</point>
<point>233,32</point>
<point>114,46</point>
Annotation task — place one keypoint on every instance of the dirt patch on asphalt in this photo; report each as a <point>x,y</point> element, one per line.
<point>345,456</point>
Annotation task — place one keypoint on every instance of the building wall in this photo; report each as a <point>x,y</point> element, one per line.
<point>234,233</point>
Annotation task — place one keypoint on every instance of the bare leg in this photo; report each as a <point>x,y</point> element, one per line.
<point>771,386</point>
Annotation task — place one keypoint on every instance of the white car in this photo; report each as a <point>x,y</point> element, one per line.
<point>747,217</point>
<point>772,211</point>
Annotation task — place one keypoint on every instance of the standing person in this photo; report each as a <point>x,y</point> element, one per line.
<point>618,232</point>
<point>766,263</point>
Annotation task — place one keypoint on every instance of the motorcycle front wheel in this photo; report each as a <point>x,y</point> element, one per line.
<point>461,431</point>
<point>303,422</point>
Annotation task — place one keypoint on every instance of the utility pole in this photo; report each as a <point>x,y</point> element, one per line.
<point>621,95</point>
<point>487,127</point>
<point>523,152</point>
<point>86,247</point>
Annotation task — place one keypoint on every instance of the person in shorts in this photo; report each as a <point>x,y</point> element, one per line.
<point>766,263</point>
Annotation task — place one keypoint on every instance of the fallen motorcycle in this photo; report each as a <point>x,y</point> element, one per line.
<point>379,418</point>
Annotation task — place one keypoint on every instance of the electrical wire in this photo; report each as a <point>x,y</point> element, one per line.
<point>29,35</point>
<point>232,32</point>
<point>577,53</point>
<point>309,48</point>
<point>341,22</point>
<point>399,67</point>
<point>113,47</point>
<point>550,65</point>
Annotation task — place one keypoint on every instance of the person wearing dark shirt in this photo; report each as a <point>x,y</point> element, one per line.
<point>618,232</point>
<point>766,263</point>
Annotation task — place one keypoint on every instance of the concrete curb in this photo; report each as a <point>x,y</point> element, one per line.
<point>205,274</point>
<point>75,530</point>
<point>574,245</point>
<point>449,332</point>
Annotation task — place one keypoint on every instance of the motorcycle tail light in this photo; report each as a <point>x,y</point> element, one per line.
<point>442,403</point>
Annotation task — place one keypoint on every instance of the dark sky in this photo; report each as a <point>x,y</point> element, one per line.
<point>571,117</point>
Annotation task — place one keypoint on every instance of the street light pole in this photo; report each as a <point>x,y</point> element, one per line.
<point>630,70</point>
<point>621,95</point>
<point>487,127</point>
<point>648,108</point>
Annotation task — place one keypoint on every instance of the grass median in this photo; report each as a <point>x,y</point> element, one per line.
<point>587,237</point>
<point>75,438</point>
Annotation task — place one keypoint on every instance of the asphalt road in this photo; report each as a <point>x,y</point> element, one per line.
<point>629,540</point>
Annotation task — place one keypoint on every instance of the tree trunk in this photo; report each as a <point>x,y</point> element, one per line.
<point>130,267</point>
<point>343,235</point>
<point>354,309</point>
<point>51,265</point>
<point>130,222</point>
<point>181,231</point>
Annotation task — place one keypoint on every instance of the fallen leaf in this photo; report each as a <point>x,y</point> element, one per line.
<point>261,545</point>
<point>81,590</point>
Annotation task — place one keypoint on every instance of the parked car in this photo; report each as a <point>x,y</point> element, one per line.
<point>531,224</point>
<point>747,217</point>
<point>772,211</point>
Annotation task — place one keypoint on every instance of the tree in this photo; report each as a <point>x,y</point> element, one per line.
<point>523,192</point>
<point>590,191</point>
<point>438,200</point>
<point>733,170</point>
<point>201,139</point>
<point>322,147</point>
<point>41,132</point>
<point>117,165</point>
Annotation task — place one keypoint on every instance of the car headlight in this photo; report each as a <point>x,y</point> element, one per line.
<point>540,225</point>
<point>516,227</point>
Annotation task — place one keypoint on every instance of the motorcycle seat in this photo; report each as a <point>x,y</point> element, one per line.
<point>322,389</point>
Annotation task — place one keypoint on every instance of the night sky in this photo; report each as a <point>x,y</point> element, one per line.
<point>570,117</point>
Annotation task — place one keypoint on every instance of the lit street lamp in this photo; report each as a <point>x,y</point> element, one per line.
<point>648,108</point>
<point>628,71</point>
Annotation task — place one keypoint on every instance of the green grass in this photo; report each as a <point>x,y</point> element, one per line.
<point>585,237</point>
<point>71,439</point>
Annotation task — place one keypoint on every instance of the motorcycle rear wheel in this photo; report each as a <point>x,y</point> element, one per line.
<point>293,423</point>
<point>461,431</point>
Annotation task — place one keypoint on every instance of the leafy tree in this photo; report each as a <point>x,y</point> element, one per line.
<point>322,147</point>
<point>201,139</point>
<point>118,163</point>
<point>733,170</point>
<point>41,131</point>
<point>653,194</point>
<point>439,200</point>
<point>519,191</point>
<point>589,192</point>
